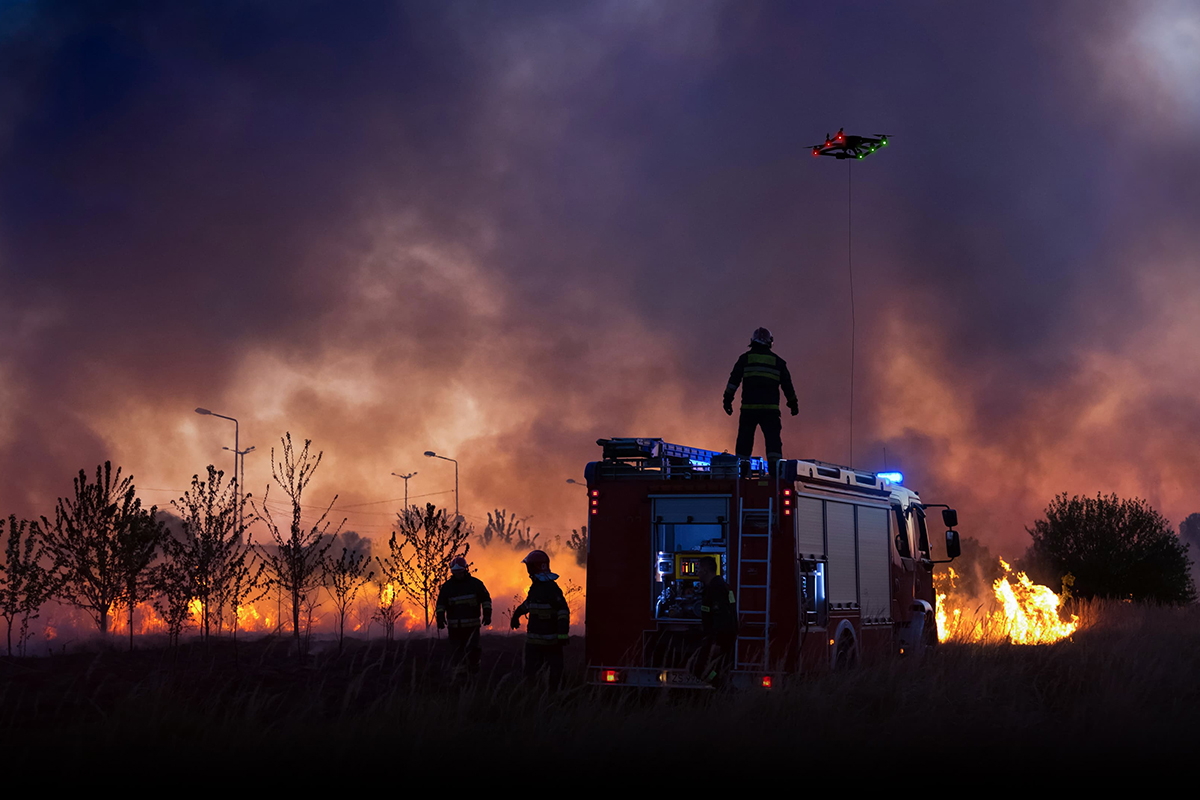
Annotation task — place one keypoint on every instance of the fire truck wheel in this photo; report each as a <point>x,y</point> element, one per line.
<point>846,655</point>
<point>929,636</point>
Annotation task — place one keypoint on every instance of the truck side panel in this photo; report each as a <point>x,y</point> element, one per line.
<point>874,558</point>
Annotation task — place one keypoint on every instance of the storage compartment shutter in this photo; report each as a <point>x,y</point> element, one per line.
<point>810,528</point>
<point>843,571</point>
<point>873,560</point>
<point>702,510</point>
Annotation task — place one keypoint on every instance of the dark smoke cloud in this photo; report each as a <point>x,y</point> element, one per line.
<point>501,230</point>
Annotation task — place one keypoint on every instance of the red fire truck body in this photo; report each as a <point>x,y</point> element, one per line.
<point>828,565</point>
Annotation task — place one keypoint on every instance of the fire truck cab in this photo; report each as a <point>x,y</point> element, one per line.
<point>829,565</point>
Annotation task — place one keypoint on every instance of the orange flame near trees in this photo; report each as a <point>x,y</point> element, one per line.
<point>1026,612</point>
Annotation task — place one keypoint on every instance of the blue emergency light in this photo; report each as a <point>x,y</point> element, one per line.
<point>890,477</point>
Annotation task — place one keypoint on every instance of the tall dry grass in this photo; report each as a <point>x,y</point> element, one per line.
<point>1126,682</point>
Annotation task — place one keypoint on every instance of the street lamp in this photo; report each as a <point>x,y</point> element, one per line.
<point>241,503</point>
<point>405,479</point>
<point>574,482</point>
<point>205,412</point>
<point>431,454</point>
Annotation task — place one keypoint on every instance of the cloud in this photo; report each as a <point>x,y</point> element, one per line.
<point>503,232</point>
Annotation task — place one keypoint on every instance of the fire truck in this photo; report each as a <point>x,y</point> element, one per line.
<point>829,565</point>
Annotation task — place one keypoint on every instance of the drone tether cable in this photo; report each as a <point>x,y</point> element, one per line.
<point>848,147</point>
<point>850,268</point>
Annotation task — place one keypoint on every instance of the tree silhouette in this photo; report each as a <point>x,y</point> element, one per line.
<point>213,553</point>
<point>344,576</point>
<point>578,544</point>
<point>136,549</point>
<point>1189,530</point>
<point>86,537</point>
<point>422,547</point>
<point>25,582</point>
<point>1114,548</point>
<point>295,559</point>
<point>174,588</point>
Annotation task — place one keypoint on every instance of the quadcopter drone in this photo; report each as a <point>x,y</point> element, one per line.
<point>844,146</point>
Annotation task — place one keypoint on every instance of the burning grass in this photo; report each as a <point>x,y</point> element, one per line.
<point>1123,683</point>
<point>1018,611</point>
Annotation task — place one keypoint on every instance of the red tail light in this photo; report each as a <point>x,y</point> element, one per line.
<point>610,676</point>
<point>766,681</point>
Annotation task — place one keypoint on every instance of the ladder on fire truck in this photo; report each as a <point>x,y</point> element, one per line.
<point>753,648</point>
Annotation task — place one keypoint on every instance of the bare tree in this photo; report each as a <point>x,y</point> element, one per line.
<point>344,577</point>
<point>247,582</point>
<point>25,582</point>
<point>578,544</point>
<point>211,551</point>
<point>505,527</point>
<point>388,607</point>
<point>85,539</point>
<point>295,559</point>
<point>422,547</point>
<point>135,551</point>
<point>174,591</point>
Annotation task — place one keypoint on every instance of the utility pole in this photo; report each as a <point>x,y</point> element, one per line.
<point>405,479</point>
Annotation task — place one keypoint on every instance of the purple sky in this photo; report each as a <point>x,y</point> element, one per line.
<point>500,231</point>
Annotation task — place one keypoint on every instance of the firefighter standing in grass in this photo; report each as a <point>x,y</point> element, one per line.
<point>549,623</point>
<point>718,618</point>
<point>459,604</point>
<point>761,373</point>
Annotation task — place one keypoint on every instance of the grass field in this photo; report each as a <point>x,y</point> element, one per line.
<point>1125,685</point>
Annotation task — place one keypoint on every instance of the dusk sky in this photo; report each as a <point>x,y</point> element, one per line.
<point>503,230</point>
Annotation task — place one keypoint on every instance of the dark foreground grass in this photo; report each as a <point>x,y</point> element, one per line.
<point>1127,687</point>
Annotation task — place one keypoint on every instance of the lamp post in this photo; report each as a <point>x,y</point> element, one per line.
<point>405,479</point>
<point>431,454</point>
<point>205,412</point>
<point>574,482</point>
<point>241,502</point>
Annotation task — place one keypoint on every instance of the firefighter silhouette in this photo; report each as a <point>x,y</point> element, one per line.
<point>460,603</point>
<point>760,373</point>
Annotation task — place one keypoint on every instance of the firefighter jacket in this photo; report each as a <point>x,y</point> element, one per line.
<point>549,617</point>
<point>460,602</point>
<point>761,373</point>
<point>718,610</point>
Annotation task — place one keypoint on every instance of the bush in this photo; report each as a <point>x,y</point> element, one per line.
<point>1115,548</point>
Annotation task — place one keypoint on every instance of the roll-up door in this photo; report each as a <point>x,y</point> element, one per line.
<point>702,510</point>
<point>810,528</point>
<point>873,559</point>
<point>843,570</point>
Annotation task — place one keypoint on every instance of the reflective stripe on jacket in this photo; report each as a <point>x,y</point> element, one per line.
<point>761,374</point>
<point>461,600</point>
<point>549,616</point>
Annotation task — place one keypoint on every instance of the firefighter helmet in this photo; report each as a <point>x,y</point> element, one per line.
<point>762,336</point>
<point>537,561</point>
<point>459,563</point>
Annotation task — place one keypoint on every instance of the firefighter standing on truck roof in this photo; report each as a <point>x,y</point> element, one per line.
<point>549,624</point>
<point>460,602</point>
<point>761,373</point>
<point>718,618</point>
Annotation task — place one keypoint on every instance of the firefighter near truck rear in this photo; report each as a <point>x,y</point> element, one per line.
<point>830,566</point>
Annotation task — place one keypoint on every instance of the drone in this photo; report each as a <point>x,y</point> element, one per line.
<point>843,146</point>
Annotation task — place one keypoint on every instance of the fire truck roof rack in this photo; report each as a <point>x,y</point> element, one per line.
<point>812,469</point>
<point>621,449</point>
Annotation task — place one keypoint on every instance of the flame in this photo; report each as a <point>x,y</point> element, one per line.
<point>1027,613</point>
<point>196,611</point>
<point>248,618</point>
